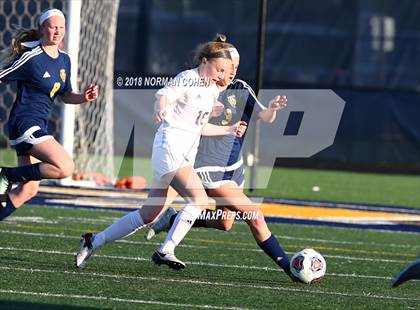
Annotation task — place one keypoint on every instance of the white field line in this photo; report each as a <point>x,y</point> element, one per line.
<point>226,284</point>
<point>404,246</point>
<point>122,212</point>
<point>148,243</point>
<point>90,210</point>
<point>166,279</point>
<point>286,237</point>
<point>196,263</point>
<point>14,232</point>
<point>99,220</point>
<point>122,300</point>
<point>110,220</point>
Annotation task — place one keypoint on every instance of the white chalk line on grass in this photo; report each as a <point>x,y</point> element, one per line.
<point>136,301</point>
<point>148,243</point>
<point>405,246</point>
<point>281,237</point>
<point>110,220</point>
<point>59,220</point>
<point>227,284</point>
<point>323,227</point>
<point>205,264</point>
<point>393,232</point>
<point>168,280</point>
<point>90,210</point>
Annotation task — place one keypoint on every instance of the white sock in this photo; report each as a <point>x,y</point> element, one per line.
<point>123,227</point>
<point>182,224</point>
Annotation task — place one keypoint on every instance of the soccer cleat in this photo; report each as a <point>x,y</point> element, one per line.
<point>167,259</point>
<point>162,224</point>
<point>292,276</point>
<point>5,185</point>
<point>409,273</point>
<point>297,280</point>
<point>86,250</point>
<point>3,200</point>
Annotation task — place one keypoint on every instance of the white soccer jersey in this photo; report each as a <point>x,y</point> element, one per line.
<point>190,103</point>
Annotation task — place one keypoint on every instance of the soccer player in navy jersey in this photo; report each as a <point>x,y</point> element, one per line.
<point>42,72</point>
<point>411,272</point>
<point>219,164</point>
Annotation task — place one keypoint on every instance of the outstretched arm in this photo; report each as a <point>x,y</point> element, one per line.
<point>277,103</point>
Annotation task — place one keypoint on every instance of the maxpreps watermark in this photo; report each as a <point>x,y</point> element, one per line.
<point>220,214</point>
<point>158,82</point>
<point>305,127</point>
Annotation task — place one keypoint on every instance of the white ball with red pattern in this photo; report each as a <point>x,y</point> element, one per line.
<point>308,265</point>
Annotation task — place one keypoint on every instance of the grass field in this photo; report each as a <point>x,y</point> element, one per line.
<point>292,183</point>
<point>341,186</point>
<point>335,186</point>
<point>224,270</point>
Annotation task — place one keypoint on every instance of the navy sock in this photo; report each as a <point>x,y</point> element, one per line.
<point>24,173</point>
<point>198,222</point>
<point>8,209</point>
<point>272,248</point>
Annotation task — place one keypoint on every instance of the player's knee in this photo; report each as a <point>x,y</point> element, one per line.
<point>256,219</point>
<point>66,169</point>
<point>149,214</point>
<point>226,225</point>
<point>199,202</point>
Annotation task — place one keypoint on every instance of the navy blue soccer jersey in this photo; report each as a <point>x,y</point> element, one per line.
<point>240,103</point>
<point>40,78</point>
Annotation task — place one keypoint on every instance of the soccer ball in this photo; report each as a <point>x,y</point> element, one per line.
<point>308,265</point>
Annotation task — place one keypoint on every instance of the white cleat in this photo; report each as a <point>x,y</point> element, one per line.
<point>167,259</point>
<point>5,186</point>
<point>162,224</point>
<point>86,250</point>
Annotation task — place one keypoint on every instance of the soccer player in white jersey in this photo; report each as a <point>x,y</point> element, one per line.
<point>42,72</point>
<point>183,109</point>
<point>219,165</point>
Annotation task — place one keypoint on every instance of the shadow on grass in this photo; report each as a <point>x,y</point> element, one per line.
<point>24,305</point>
<point>5,259</point>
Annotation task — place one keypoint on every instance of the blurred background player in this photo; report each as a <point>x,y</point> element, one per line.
<point>42,72</point>
<point>409,273</point>
<point>219,164</point>
<point>182,109</point>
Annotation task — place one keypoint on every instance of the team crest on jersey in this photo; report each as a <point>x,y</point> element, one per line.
<point>63,74</point>
<point>228,117</point>
<point>232,100</point>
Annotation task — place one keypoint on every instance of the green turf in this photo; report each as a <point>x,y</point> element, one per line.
<point>352,187</point>
<point>290,183</point>
<point>223,269</point>
<point>335,186</point>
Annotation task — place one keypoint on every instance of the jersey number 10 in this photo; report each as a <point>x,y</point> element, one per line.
<point>200,118</point>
